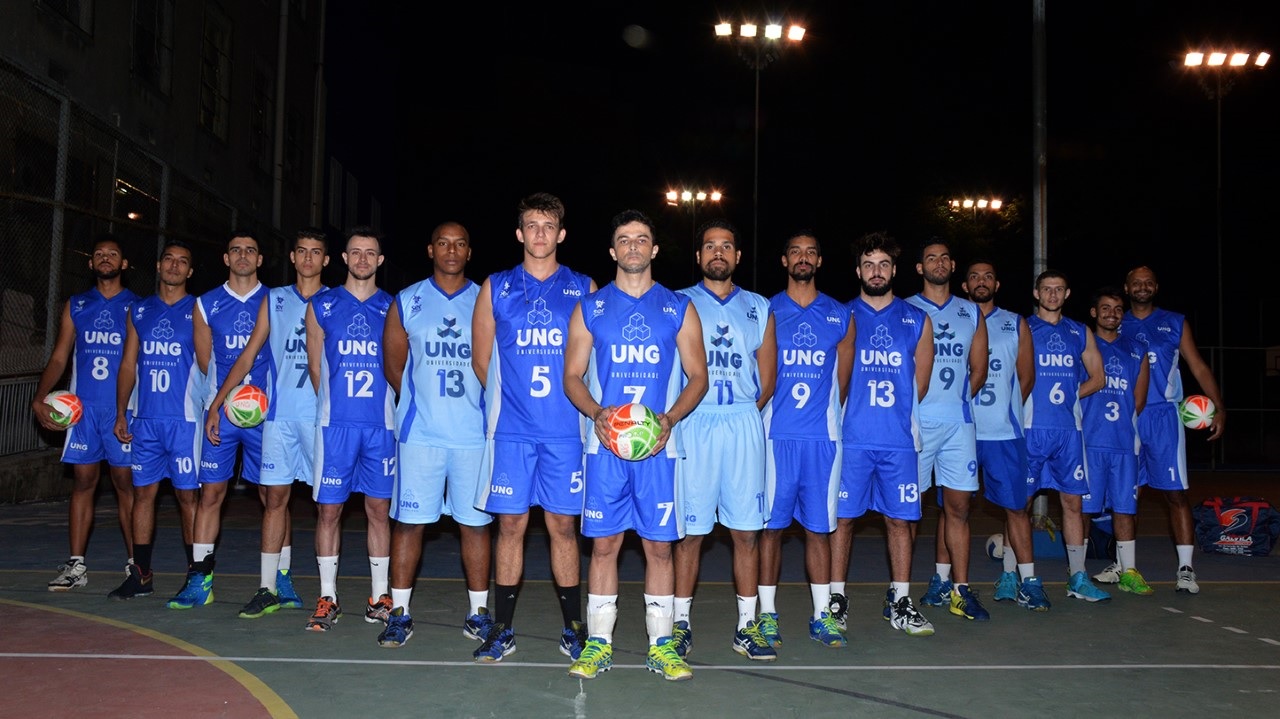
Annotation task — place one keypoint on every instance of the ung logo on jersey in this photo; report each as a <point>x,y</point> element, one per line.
<point>1115,374</point>
<point>539,315</point>
<point>636,331</point>
<point>752,315</point>
<point>448,330</point>
<point>722,340</point>
<point>408,500</point>
<point>160,344</point>
<point>942,344</point>
<point>539,335</point>
<point>501,485</point>
<point>102,331</point>
<point>1057,356</point>
<point>880,352</point>
<point>804,338</point>
<point>358,331</point>
<point>593,510</point>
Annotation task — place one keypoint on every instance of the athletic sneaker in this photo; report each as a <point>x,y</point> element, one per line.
<point>72,574</point>
<point>906,618</point>
<point>663,660</point>
<point>964,603</point>
<point>767,622</point>
<point>683,637</point>
<point>597,656</point>
<point>1187,580</point>
<point>1031,595</point>
<point>197,592</point>
<point>1132,582</point>
<point>378,610</point>
<point>477,625</point>
<point>264,602</point>
<point>1006,587</point>
<point>500,642</point>
<point>839,607</point>
<point>398,630</point>
<point>285,593</point>
<point>938,594</point>
<point>751,644</point>
<point>325,616</point>
<point>1081,588</point>
<point>1110,575</point>
<point>134,585</point>
<point>572,639</point>
<point>824,631</point>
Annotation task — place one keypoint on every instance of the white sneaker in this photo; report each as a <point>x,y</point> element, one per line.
<point>70,575</point>
<point>1110,575</point>
<point>1187,580</point>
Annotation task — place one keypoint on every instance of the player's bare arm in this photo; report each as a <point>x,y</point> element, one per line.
<point>395,348</point>
<point>1140,391</point>
<point>125,380</point>
<point>1204,377</point>
<point>203,337</point>
<point>315,347</point>
<point>1093,365</point>
<point>54,370</point>
<point>483,329</point>
<point>979,358</point>
<point>924,358</point>
<point>693,359</point>
<point>767,363</point>
<point>238,371</point>
<point>1026,362</point>
<point>577,358</point>
<point>844,359</point>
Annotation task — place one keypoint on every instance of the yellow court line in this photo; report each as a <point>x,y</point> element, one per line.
<point>275,705</point>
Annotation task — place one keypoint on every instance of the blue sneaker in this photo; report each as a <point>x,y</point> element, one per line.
<point>889,599</point>
<point>285,592</point>
<point>398,630</point>
<point>682,637</point>
<point>826,632</point>
<point>1006,587</point>
<point>1081,587</point>
<point>767,622</point>
<point>477,625</point>
<point>573,639</point>
<point>197,592</point>
<point>964,603</point>
<point>750,643</point>
<point>500,642</point>
<point>1031,595</point>
<point>938,593</point>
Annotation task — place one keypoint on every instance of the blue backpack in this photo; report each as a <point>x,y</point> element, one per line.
<point>1244,526</point>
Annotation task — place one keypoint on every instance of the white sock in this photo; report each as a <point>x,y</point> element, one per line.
<point>478,600</point>
<point>838,588</point>
<point>1184,554</point>
<point>900,590</point>
<point>328,576</point>
<point>1127,554</point>
<point>1027,570</point>
<point>746,611</point>
<point>1075,559</point>
<point>400,598</point>
<point>286,558</point>
<point>602,614</point>
<point>821,594</point>
<point>768,599</point>
<point>1010,559</point>
<point>378,568</point>
<point>682,607</point>
<point>199,552</point>
<point>268,570</point>
<point>944,571</point>
<point>659,611</point>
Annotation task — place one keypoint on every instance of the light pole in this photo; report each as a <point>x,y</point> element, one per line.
<point>986,204</point>
<point>1218,62</point>
<point>690,199</point>
<point>757,50</point>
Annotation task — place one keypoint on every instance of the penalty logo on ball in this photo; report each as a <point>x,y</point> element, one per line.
<point>633,431</point>
<point>67,408</point>
<point>247,406</point>
<point>1196,411</point>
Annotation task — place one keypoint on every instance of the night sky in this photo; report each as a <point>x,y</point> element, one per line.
<point>883,110</point>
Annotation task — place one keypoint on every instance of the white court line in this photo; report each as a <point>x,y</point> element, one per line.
<point>1269,641</point>
<point>1203,619</point>
<point>696,667</point>
<point>1172,610</point>
<point>1237,631</point>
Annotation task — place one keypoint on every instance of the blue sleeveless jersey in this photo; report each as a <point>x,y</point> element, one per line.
<point>100,330</point>
<point>524,392</point>
<point>440,395</point>
<point>881,411</point>
<point>1110,419</point>
<point>806,398</point>
<point>292,396</point>
<point>954,325</point>
<point>1161,332</point>
<point>732,331</point>
<point>997,409</point>
<point>353,388</point>
<point>169,384</point>
<point>634,357</point>
<point>231,319</point>
<point>1055,400</point>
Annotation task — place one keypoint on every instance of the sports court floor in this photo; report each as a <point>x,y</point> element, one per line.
<point>80,654</point>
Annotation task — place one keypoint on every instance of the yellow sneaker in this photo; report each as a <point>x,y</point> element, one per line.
<point>664,660</point>
<point>1131,581</point>
<point>596,657</point>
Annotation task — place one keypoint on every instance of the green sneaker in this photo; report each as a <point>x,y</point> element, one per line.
<point>1131,581</point>
<point>664,660</point>
<point>596,657</point>
<point>767,623</point>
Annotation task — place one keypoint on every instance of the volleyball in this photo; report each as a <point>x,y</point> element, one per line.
<point>633,431</point>
<point>995,546</point>
<point>246,407</point>
<point>67,408</point>
<point>1196,411</point>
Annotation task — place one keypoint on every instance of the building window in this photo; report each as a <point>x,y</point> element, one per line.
<point>263,117</point>
<point>153,43</point>
<point>215,72</point>
<point>77,12</point>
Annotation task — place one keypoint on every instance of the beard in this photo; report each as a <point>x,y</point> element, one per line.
<point>981,294</point>
<point>108,275</point>
<point>801,273</point>
<point>876,291</point>
<point>356,274</point>
<point>717,273</point>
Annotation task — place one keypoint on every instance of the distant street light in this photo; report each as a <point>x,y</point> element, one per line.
<point>986,204</point>
<point>1218,62</point>
<point>758,51</point>
<point>689,200</point>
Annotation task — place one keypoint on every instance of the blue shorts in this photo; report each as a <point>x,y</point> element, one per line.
<point>435,480</point>
<point>353,459</point>
<point>218,462</point>
<point>802,481</point>
<point>523,474</point>
<point>93,439</point>
<point>1055,460</point>
<point>721,476</point>
<point>886,480</point>
<point>948,452</point>
<point>288,452</point>
<point>165,449</point>
<point>1163,456</point>
<point>1113,482</point>
<point>622,495</point>
<point>1004,471</point>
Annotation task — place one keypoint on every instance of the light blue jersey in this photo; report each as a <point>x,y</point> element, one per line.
<point>292,396</point>
<point>524,392</point>
<point>806,399</point>
<point>1059,351</point>
<point>231,319</point>
<point>440,395</point>
<point>882,408</point>
<point>733,330</point>
<point>1161,332</point>
<point>353,388</point>
<point>1110,414</point>
<point>954,325</point>
<point>100,330</point>
<point>169,384</point>
<point>997,408</point>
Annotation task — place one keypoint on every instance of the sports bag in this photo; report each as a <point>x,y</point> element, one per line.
<point>1244,526</point>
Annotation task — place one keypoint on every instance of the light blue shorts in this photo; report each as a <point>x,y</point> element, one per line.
<point>288,452</point>
<point>949,455</point>
<point>436,480</point>
<point>721,476</point>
